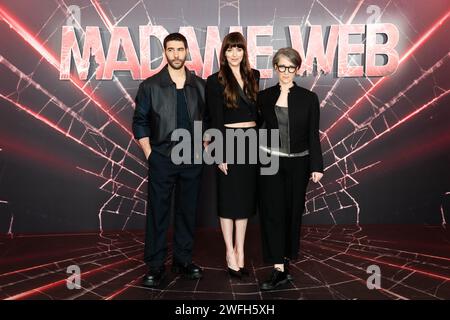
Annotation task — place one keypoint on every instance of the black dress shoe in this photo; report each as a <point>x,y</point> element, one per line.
<point>276,279</point>
<point>286,270</point>
<point>234,273</point>
<point>244,271</point>
<point>187,270</point>
<point>154,277</point>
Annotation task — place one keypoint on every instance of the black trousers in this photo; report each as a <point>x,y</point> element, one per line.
<point>164,176</point>
<point>281,206</point>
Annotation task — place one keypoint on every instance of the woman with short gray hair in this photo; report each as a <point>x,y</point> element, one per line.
<point>294,111</point>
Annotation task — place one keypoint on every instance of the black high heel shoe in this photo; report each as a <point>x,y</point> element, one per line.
<point>235,273</point>
<point>244,271</point>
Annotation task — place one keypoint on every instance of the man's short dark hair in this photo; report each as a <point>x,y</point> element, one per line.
<point>175,37</point>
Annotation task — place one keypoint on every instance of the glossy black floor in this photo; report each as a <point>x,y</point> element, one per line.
<point>414,262</point>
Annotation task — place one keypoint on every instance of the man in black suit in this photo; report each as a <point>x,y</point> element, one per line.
<point>172,99</point>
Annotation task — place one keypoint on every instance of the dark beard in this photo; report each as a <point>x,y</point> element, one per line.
<point>174,66</point>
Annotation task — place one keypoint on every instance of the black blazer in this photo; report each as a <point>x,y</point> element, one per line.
<point>215,101</point>
<point>304,116</point>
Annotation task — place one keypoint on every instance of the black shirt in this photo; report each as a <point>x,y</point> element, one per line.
<point>183,119</point>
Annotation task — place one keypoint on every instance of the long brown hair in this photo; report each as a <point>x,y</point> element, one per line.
<point>226,77</point>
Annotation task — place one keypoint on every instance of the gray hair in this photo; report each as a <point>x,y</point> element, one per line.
<point>289,53</point>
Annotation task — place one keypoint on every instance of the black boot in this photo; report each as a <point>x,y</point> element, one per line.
<point>276,279</point>
<point>187,270</point>
<point>154,277</point>
<point>286,269</point>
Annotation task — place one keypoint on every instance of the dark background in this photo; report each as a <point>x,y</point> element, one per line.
<point>54,179</point>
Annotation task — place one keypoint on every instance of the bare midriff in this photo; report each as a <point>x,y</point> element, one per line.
<point>248,124</point>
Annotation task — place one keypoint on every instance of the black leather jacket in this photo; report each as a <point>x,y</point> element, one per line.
<point>156,108</point>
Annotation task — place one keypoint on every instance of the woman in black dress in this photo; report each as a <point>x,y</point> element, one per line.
<point>231,102</point>
<point>294,111</point>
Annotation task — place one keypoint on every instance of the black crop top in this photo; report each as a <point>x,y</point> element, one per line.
<point>245,112</point>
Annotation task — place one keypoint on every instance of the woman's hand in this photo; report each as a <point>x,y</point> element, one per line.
<point>316,176</point>
<point>224,168</point>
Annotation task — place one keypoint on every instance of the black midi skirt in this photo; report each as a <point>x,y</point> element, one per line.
<point>237,190</point>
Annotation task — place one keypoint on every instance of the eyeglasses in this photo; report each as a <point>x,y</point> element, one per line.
<point>290,69</point>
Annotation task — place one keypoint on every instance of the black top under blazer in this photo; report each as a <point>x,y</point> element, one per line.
<point>216,104</point>
<point>304,117</point>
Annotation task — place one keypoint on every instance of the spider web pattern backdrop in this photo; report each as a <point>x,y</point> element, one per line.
<point>69,162</point>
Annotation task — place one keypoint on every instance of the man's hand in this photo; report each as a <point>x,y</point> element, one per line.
<point>147,154</point>
<point>145,145</point>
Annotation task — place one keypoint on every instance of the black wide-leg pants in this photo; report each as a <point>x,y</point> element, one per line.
<point>281,206</point>
<point>164,176</point>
